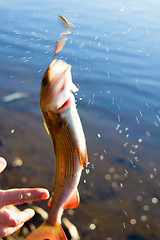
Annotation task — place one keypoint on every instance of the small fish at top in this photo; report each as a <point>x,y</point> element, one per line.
<point>67,24</point>
<point>61,42</point>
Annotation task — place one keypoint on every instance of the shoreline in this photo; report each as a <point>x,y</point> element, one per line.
<point>103,202</point>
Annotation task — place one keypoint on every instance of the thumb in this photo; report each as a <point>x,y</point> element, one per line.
<point>3,164</point>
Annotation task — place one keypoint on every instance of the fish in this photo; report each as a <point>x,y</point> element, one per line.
<point>67,24</point>
<point>61,42</point>
<point>59,45</point>
<point>62,122</point>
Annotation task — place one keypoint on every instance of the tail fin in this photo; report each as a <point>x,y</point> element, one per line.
<point>46,231</point>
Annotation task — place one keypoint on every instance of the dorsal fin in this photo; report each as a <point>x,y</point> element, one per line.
<point>45,125</point>
<point>82,157</point>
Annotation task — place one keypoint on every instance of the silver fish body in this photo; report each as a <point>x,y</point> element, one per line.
<point>64,126</point>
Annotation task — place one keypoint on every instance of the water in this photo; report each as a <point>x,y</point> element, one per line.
<point>114,51</point>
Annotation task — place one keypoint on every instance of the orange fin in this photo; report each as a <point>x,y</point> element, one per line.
<point>45,125</point>
<point>50,200</point>
<point>46,231</point>
<point>72,201</point>
<point>82,157</point>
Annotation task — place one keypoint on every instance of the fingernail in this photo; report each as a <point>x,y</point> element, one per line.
<point>45,195</point>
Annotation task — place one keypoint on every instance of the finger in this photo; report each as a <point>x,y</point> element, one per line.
<point>3,164</point>
<point>19,196</point>
<point>5,231</point>
<point>13,219</point>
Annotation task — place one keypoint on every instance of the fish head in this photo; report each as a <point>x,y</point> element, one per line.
<point>56,87</point>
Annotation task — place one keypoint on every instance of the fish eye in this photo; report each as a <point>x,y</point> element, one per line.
<point>44,81</point>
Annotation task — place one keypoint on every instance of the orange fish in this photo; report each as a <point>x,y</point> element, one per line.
<point>63,124</point>
<point>61,42</point>
<point>59,45</point>
<point>67,24</point>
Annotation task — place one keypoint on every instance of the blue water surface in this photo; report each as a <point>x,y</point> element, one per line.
<point>114,50</point>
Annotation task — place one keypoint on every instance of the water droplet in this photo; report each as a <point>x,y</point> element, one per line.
<point>70,212</point>
<point>154,200</point>
<point>125,144</point>
<point>144,218</point>
<point>155,169</point>
<point>17,162</point>
<point>111,169</point>
<point>122,9</point>
<point>148,133</point>
<point>121,184</point>
<point>140,113</point>
<point>124,225</point>
<point>158,118</point>
<point>92,226</point>
<point>145,207</point>
<point>101,157</point>
<point>12,131</point>
<point>125,213</point>
<point>87,171</point>
<point>133,221</point>
<point>151,176</point>
<point>139,198</point>
<point>116,176</point>
<point>108,177</point>
<point>137,119</point>
<point>147,105</point>
<point>114,185</point>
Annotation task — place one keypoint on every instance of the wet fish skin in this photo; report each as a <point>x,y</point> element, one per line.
<point>63,124</point>
<point>67,136</point>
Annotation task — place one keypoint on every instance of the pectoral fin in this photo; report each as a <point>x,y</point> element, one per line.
<point>50,200</point>
<point>72,201</point>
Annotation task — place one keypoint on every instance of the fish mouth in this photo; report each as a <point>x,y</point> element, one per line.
<point>57,70</point>
<point>65,104</point>
<point>60,85</point>
<point>53,62</point>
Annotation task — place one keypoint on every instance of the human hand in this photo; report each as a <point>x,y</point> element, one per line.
<point>11,221</point>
